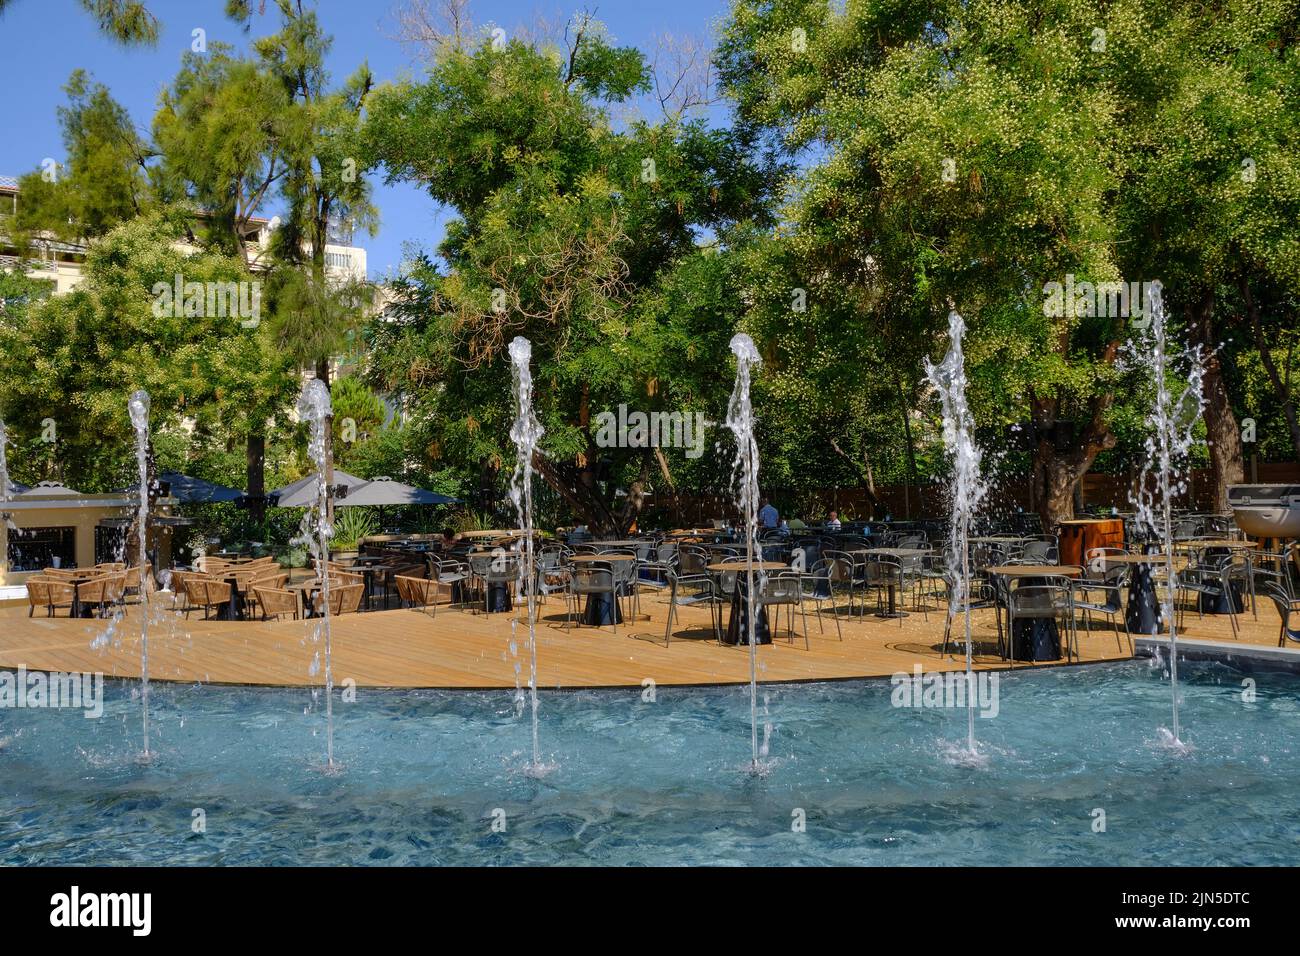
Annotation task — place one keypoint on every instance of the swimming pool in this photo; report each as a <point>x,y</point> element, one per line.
<point>427,774</point>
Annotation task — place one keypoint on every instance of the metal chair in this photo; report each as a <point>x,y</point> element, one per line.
<point>1286,607</point>
<point>590,579</point>
<point>816,586</point>
<point>688,590</point>
<point>1110,585</point>
<point>1217,579</point>
<point>1048,598</point>
<point>783,589</point>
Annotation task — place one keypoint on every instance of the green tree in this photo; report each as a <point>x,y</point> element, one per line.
<point>104,179</point>
<point>126,21</point>
<point>76,358</point>
<point>568,232</point>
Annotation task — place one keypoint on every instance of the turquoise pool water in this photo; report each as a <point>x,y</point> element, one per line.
<point>428,773</point>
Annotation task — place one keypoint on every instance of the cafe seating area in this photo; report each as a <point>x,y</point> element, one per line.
<point>1040,591</point>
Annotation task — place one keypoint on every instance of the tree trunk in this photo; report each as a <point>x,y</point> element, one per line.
<point>866,479</point>
<point>904,409</point>
<point>1058,472</point>
<point>1282,386</point>
<point>323,373</point>
<point>664,470</point>
<point>256,472</point>
<point>1223,436</point>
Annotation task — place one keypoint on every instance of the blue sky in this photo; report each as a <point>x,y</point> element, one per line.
<point>43,41</point>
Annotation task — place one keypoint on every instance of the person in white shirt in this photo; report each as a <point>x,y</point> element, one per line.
<point>833,522</point>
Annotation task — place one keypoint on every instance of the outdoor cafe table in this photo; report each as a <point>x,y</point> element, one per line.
<point>78,608</point>
<point>902,554</point>
<point>1144,614</point>
<point>738,620</point>
<point>602,608</point>
<point>232,610</point>
<point>367,567</point>
<point>1219,547</point>
<point>1039,637</point>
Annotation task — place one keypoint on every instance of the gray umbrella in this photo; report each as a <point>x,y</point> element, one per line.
<point>190,490</point>
<point>302,493</point>
<point>385,491</point>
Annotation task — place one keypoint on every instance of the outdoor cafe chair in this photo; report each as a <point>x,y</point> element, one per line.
<point>417,593</point>
<point>275,602</point>
<point>115,588</point>
<point>552,573</point>
<point>879,573</point>
<point>388,576</point>
<point>1269,567</point>
<point>693,560</point>
<point>1218,579</point>
<point>455,574</point>
<point>816,587</point>
<point>688,590</point>
<point>843,576</point>
<point>1288,608</point>
<point>783,589</point>
<point>1046,598</point>
<point>501,569</point>
<point>96,591</point>
<point>987,592</point>
<point>193,585</point>
<point>215,594</point>
<point>345,599</point>
<point>592,578</point>
<point>49,594</point>
<point>1103,595</point>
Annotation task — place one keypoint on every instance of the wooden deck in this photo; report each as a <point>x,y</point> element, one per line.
<point>458,649</point>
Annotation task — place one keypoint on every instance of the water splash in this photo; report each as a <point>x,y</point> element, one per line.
<point>526,432</point>
<point>4,462</point>
<point>1170,423</point>
<point>967,491</point>
<point>138,406</point>
<point>315,533</point>
<point>744,479</point>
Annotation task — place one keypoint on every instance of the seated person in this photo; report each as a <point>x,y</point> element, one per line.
<point>833,522</point>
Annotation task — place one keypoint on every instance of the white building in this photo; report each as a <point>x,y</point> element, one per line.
<point>62,262</point>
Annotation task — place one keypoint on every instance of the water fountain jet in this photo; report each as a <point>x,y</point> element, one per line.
<point>968,491</point>
<point>317,529</point>
<point>526,432</point>
<point>138,405</point>
<point>744,476</point>
<point>1170,422</point>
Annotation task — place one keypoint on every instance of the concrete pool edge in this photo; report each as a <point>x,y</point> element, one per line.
<point>1241,656</point>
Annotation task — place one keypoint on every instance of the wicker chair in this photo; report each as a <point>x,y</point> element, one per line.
<point>344,599</point>
<point>94,591</point>
<point>275,603</point>
<point>417,592</point>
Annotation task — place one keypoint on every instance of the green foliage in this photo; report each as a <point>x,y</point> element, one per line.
<point>102,181</point>
<point>351,526</point>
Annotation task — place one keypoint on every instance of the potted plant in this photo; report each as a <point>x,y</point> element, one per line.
<point>351,527</point>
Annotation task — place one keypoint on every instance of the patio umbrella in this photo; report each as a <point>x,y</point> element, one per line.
<point>189,490</point>
<point>302,493</point>
<point>385,491</point>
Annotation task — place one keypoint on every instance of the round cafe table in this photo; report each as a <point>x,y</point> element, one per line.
<point>602,609</point>
<point>1035,639</point>
<point>904,556</point>
<point>738,620</point>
